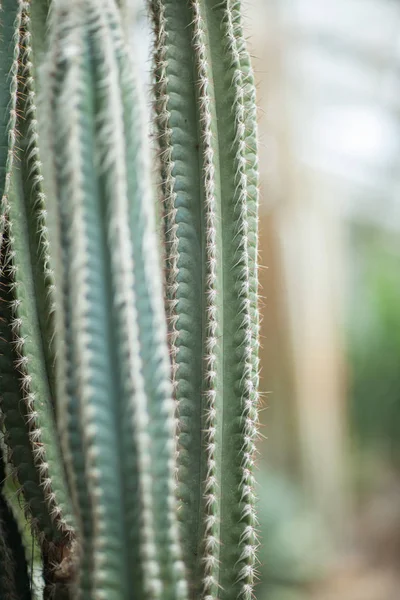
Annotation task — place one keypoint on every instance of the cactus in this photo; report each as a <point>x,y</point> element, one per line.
<point>113,369</point>
<point>10,21</point>
<point>96,422</point>
<point>205,107</point>
<point>27,358</point>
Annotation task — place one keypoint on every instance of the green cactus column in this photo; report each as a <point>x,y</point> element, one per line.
<point>27,360</point>
<point>114,399</point>
<point>10,21</point>
<point>205,110</point>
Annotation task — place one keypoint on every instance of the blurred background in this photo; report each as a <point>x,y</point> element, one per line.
<point>328,77</point>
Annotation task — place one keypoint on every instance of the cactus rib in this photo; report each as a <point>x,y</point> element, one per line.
<point>10,22</point>
<point>246,205</point>
<point>64,35</point>
<point>14,416</point>
<point>32,177</point>
<point>175,110</point>
<point>22,265</point>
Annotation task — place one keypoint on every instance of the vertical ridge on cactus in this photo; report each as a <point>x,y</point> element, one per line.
<point>14,421</point>
<point>251,157</point>
<point>205,99</point>
<point>247,204</point>
<point>175,111</point>
<point>30,166</point>
<point>30,363</point>
<point>10,21</point>
<point>39,11</point>
<point>38,464</point>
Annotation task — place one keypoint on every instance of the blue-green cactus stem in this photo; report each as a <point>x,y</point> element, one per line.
<point>30,166</point>
<point>39,11</point>
<point>114,407</point>
<point>252,172</point>
<point>10,21</point>
<point>151,321</point>
<point>176,119</point>
<point>28,269</point>
<point>14,417</point>
<point>54,76</point>
<point>205,104</point>
<point>246,205</point>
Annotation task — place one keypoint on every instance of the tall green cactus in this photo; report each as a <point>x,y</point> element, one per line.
<point>84,338</point>
<point>114,400</point>
<point>206,119</point>
<point>27,360</point>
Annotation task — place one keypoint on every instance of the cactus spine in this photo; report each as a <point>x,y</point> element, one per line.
<point>207,133</point>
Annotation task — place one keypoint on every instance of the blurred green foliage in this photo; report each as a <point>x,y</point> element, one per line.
<point>374,341</point>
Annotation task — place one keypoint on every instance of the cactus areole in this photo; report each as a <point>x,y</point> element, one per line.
<point>128,388</point>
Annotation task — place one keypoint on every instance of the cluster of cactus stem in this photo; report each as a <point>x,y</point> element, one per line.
<point>128,388</point>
